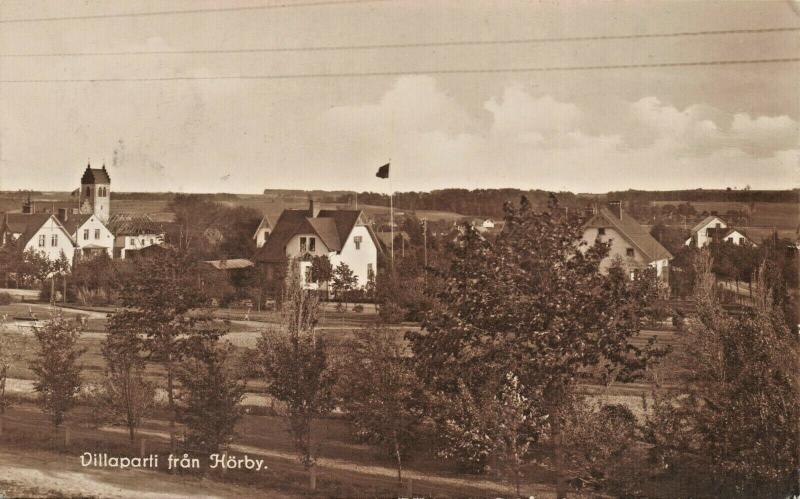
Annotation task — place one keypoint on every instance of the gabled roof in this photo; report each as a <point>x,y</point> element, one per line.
<point>124,224</point>
<point>331,226</point>
<point>95,176</point>
<point>28,224</point>
<point>705,222</point>
<point>18,223</point>
<point>731,230</point>
<point>264,224</point>
<point>230,264</point>
<point>74,222</point>
<point>633,232</point>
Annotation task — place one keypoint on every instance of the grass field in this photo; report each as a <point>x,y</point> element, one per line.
<point>762,215</point>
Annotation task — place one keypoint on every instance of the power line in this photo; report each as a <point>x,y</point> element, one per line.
<point>327,48</point>
<point>321,3</point>
<point>290,76</point>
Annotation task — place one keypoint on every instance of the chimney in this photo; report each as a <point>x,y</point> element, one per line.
<point>313,208</point>
<point>616,208</point>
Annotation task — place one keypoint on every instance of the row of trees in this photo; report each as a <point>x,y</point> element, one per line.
<point>493,379</point>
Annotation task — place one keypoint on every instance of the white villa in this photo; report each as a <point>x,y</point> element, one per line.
<point>630,242</point>
<point>341,235</point>
<point>714,228</point>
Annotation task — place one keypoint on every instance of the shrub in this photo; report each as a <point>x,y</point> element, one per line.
<point>5,298</point>
<point>392,313</point>
<point>358,308</point>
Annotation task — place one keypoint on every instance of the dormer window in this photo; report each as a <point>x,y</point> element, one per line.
<point>357,242</point>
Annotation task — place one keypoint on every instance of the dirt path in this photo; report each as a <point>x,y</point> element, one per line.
<point>44,473</point>
<point>540,490</point>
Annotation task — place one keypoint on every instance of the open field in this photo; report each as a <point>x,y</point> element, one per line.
<point>766,215</point>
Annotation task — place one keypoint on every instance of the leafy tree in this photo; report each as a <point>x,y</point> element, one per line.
<point>295,364</point>
<point>535,304</point>
<point>6,357</point>
<point>380,392</point>
<point>732,427</point>
<point>164,303</point>
<point>127,395</point>
<point>343,282</point>
<point>56,367</point>
<point>321,269</point>
<point>211,396</point>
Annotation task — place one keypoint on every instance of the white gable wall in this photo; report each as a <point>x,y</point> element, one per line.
<point>293,246</point>
<point>702,238</point>
<point>55,239</point>
<point>737,238</point>
<point>98,235</point>
<point>136,242</point>
<point>261,236</point>
<point>619,249</point>
<point>360,259</point>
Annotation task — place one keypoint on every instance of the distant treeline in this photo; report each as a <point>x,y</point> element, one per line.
<point>477,202</point>
<point>709,195</point>
<point>169,196</point>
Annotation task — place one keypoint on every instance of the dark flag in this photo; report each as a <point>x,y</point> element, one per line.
<point>383,171</point>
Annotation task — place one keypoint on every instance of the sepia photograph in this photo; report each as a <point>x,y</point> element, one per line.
<point>538,249</point>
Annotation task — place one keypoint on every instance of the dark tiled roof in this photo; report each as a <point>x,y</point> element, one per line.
<point>27,224</point>
<point>230,264</point>
<point>633,232</point>
<point>124,224</point>
<point>704,222</point>
<point>332,227</point>
<point>74,221</point>
<point>264,224</point>
<point>95,176</point>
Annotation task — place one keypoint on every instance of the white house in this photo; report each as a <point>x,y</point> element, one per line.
<point>703,233</point>
<point>737,237</point>
<point>42,233</point>
<point>91,235</point>
<point>630,242</point>
<point>262,232</point>
<point>341,235</point>
<point>134,233</point>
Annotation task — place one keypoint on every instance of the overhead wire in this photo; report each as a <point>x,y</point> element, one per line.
<point>287,76</point>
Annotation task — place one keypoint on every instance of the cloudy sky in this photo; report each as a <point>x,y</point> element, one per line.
<point>584,131</point>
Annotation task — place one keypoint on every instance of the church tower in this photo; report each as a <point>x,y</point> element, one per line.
<point>95,196</point>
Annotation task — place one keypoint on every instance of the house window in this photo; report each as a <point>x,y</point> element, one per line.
<point>41,241</point>
<point>312,244</point>
<point>152,241</point>
<point>741,240</point>
<point>370,271</point>
<point>142,241</point>
<point>718,225</point>
<point>302,245</point>
<point>97,233</point>
<point>54,240</point>
<point>307,274</point>
<point>85,234</point>
<point>601,231</point>
<point>357,241</point>
<point>629,252</point>
<point>133,241</point>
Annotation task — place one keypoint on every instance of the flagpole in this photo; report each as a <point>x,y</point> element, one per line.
<point>391,215</point>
